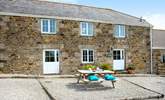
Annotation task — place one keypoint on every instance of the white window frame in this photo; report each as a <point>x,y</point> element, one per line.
<point>48,27</point>
<point>87,56</point>
<point>119,30</point>
<point>86,29</point>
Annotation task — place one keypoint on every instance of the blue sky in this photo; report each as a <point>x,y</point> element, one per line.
<point>152,10</point>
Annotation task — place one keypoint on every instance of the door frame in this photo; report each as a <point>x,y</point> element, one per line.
<point>123,57</point>
<point>43,60</point>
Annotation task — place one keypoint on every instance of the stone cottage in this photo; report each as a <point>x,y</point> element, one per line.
<point>41,37</point>
<point>158,51</point>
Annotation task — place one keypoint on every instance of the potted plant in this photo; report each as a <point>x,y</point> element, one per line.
<point>89,67</point>
<point>106,66</point>
<point>130,69</point>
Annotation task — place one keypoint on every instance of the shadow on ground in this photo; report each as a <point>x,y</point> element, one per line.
<point>88,86</point>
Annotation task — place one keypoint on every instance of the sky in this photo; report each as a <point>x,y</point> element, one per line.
<point>151,10</point>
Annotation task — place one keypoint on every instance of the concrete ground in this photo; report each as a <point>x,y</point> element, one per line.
<point>68,89</point>
<point>21,89</point>
<point>156,84</point>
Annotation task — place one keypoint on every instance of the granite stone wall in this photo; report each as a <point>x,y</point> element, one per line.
<point>23,44</point>
<point>158,65</point>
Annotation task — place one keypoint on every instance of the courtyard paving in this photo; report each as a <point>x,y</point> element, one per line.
<point>21,89</point>
<point>156,84</point>
<point>67,89</point>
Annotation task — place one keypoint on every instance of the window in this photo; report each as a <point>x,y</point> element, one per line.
<point>118,54</point>
<point>87,56</point>
<point>48,26</point>
<point>119,31</point>
<point>52,56</point>
<point>86,29</point>
<point>49,56</point>
<point>163,58</point>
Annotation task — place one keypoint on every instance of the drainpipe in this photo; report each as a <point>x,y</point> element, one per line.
<point>151,27</point>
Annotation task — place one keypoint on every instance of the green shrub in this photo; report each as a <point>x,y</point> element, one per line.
<point>87,67</point>
<point>106,66</point>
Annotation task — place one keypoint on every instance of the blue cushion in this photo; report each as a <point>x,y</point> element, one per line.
<point>93,78</point>
<point>109,77</point>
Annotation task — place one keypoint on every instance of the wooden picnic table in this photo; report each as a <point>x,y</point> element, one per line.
<point>83,72</point>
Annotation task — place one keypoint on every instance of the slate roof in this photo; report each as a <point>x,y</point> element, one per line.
<point>45,8</point>
<point>158,38</point>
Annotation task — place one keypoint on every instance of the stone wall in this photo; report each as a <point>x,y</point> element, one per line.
<point>24,45</point>
<point>158,65</point>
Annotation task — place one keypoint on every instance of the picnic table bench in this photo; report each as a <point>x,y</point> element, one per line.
<point>84,72</point>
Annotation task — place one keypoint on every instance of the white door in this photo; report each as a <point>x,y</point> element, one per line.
<point>51,61</point>
<point>118,59</point>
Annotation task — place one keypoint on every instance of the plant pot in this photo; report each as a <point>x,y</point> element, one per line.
<point>130,71</point>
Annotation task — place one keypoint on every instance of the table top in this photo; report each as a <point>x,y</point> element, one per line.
<point>95,72</point>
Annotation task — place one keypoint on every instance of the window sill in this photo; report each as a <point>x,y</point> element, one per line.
<point>48,33</point>
<point>120,37</point>
<point>87,62</point>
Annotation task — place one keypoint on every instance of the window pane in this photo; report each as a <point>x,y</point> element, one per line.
<point>57,56</point>
<point>90,29</point>
<point>85,58</point>
<point>91,52</point>
<point>47,53</point>
<point>46,59</point>
<point>83,28</point>
<point>114,55</point>
<point>45,25</point>
<point>85,55</point>
<point>90,58</point>
<point>118,55</point>
<point>90,55</point>
<point>122,30</point>
<point>51,59</point>
<point>52,25</point>
<point>85,52</point>
<point>117,29</point>
<point>49,56</point>
<point>51,53</point>
<point>122,54</point>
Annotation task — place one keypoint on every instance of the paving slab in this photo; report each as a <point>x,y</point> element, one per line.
<point>68,89</point>
<point>21,89</point>
<point>156,84</point>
